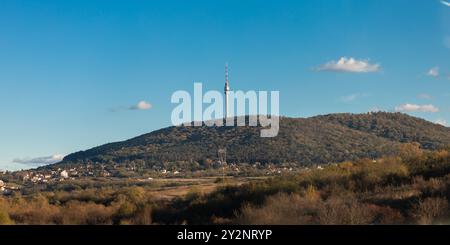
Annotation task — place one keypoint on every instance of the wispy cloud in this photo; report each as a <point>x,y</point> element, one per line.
<point>446,3</point>
<point>345,64</point>
<point>424,96</point>
<point>353,97</point>
<point>434,72</point>
<point>416,108</point>
<point>142,105</point>
<point>441,122</point>
<point>38,161</point>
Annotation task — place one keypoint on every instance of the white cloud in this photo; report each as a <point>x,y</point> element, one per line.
<point>441,122</point>
<point>142,105</point>
<point>353,97</point>
<point>345,64</point>
<point>40,160</point>
<point>424,96</point>
<point>445,3</point>
<point>416,108</point>
<point>434,72</point>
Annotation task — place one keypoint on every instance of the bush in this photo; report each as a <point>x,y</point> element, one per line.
<point>430,210</point>
<point>337,211</point>
<point>34,210</point>
<point>4,218</point>
<point>143,215</point>
<point>78,213</point>
<point>280,209</point>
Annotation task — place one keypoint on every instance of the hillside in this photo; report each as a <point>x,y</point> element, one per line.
<point>315,140</point>
<point>395,126</point>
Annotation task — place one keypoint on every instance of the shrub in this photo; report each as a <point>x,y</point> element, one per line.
<point>385,215</point>
<point>78,213</point>
<point>4,218</point>
<point>430,210</point>
<point>34,210</point>
<point>336,211</point>
<point>280,209</point>
<point>143,215</point>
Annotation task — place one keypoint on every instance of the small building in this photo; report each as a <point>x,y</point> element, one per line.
<point>64,174</point>
<point>2,186</point>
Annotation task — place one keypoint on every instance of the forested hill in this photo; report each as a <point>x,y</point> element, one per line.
<point>395,126</point>
<point>320,139</point>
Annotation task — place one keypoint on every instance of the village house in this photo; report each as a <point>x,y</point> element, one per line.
<point>2,186</point>
<point>64,174</point>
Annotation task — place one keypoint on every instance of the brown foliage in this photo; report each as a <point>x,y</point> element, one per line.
<point>337,211</point>
<point>78,213</point>
<point>280,209</point>
<point>124,206</point>
<point>430,210</point>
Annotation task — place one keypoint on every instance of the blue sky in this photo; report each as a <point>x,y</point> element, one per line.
<point>73,72</point>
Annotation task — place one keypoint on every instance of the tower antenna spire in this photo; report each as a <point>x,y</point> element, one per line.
<point>226,90</point>
<point>226,73</point>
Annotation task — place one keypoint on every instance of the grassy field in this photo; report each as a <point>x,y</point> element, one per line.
<point>170,188</point>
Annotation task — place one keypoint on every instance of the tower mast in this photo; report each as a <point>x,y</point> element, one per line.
<point>226,90</point>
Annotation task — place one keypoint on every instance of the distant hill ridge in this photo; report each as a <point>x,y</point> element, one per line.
<point>314,140</point>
